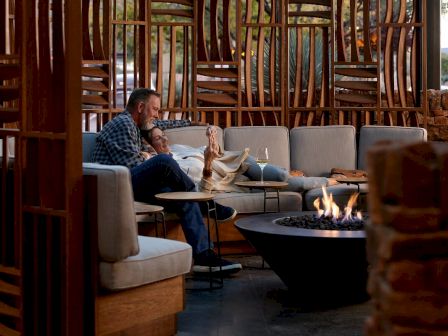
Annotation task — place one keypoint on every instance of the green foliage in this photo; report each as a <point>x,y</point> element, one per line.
<point>444,67</point>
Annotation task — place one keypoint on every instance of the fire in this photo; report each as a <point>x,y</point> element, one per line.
<point>331,209</point>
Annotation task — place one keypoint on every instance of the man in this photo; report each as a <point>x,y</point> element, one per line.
<point>119,143</point>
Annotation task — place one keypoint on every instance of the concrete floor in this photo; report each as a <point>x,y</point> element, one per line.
<point>256,302</point>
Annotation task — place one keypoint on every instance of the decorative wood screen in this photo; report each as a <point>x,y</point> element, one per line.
<point>275,62</point>
<point>41,269</point>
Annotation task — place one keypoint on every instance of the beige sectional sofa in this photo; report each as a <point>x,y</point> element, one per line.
<point>137,275</point>
<point>315,150</point>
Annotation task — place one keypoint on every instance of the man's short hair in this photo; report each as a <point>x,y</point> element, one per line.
<point>140,95</point>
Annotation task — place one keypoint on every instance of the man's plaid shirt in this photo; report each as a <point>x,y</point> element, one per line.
<point>119,143</point>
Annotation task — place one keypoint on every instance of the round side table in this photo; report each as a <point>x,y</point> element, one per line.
<point>208,199</point>
<point>265,186</point>
<point>156,210</point>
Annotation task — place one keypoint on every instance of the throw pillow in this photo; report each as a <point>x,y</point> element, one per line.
<point>270,173</point>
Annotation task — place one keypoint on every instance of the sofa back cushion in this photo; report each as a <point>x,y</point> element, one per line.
<point>276,138</point>
<point>315,150</point>
<point>369,135</point>
<point>88,145</point>
<point>117,226</point>
<point>193,136</point>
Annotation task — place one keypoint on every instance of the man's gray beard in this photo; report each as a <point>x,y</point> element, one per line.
<point>148,126</point>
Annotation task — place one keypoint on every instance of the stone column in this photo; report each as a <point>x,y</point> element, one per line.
<point>407,240</point>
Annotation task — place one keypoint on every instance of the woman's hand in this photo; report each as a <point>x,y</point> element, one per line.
<point>146,155</point>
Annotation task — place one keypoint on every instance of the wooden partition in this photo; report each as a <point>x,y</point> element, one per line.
<point>41,257</point>
<point>275,62</point>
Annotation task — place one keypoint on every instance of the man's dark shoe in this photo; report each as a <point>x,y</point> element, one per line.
<point>208,262</point>
<point>224,213</point>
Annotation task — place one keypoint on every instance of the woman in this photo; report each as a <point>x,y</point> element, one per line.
<point>208,167</point>
<point>209,170</point>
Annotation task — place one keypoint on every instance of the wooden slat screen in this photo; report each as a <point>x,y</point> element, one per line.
<point>272,62</point>
<point>41,270</point>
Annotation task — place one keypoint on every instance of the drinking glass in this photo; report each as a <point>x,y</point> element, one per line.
<point>262,159</point>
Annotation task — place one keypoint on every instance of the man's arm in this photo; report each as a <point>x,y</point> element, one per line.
<point>165,124</point>
<point>125,148</point>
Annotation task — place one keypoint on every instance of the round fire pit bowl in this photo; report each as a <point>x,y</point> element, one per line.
<point>317,266</point>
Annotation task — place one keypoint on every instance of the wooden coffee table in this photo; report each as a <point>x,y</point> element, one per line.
<point>265,186</point>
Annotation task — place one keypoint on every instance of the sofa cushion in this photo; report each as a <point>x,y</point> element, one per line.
<point>315,150</point>
<point>117,226</point>
<point>369,135</point>
<point>193,136</point>
<point>341,194</point>
<point>88,145</point>
<point>252,202</point>
<point>157,260</point>
<point>276,138</point>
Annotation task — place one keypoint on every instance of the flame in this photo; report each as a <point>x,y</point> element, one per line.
<point>348,209</point>
<point>331,209</point>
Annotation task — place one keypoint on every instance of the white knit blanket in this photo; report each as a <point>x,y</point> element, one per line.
<point>226,170</point>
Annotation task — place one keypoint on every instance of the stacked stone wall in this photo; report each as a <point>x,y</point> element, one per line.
<point>407,240</point>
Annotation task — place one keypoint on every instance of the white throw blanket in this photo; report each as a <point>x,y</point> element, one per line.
<point>225,170</point>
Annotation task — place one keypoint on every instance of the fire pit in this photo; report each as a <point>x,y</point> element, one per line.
<point>319,266</point>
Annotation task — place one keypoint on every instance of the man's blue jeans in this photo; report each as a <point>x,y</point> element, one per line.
<point>160,174</point>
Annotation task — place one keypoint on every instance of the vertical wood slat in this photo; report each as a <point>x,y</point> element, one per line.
<point>247,55</point>
<point>260,59</point>
<point>354,50</point>
<point>202,46</point>
<point>311,68</point>
<point>239,21</point>
<point>125,57</point>
<point>366,30</point>
<point>185,72</point>
<point>260,67</point>
<point>106,28</point>
<point>45,79</point>
<point>172,77</point>
<point>3,206</point>
<point>215,55</point>
<point>58,119</point>
<point>225,41</point>
<point>401,57</point>
<point>414,59</point>
<point>49,268</point>
<point>114,34</point>
<point>145,75</point>
<point>340,41</point>
<point>98,51</point>
<point>388,56</point>
<point>298,75</point>
<point>86,46</point>
<point>248,66</point>
<point>159,80</point>
<point>4,27</point>
<point>272,65</point>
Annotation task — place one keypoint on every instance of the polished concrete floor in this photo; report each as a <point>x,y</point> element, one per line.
<point>255,302</point>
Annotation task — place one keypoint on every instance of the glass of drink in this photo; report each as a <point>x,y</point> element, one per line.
<point>262,159</point>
